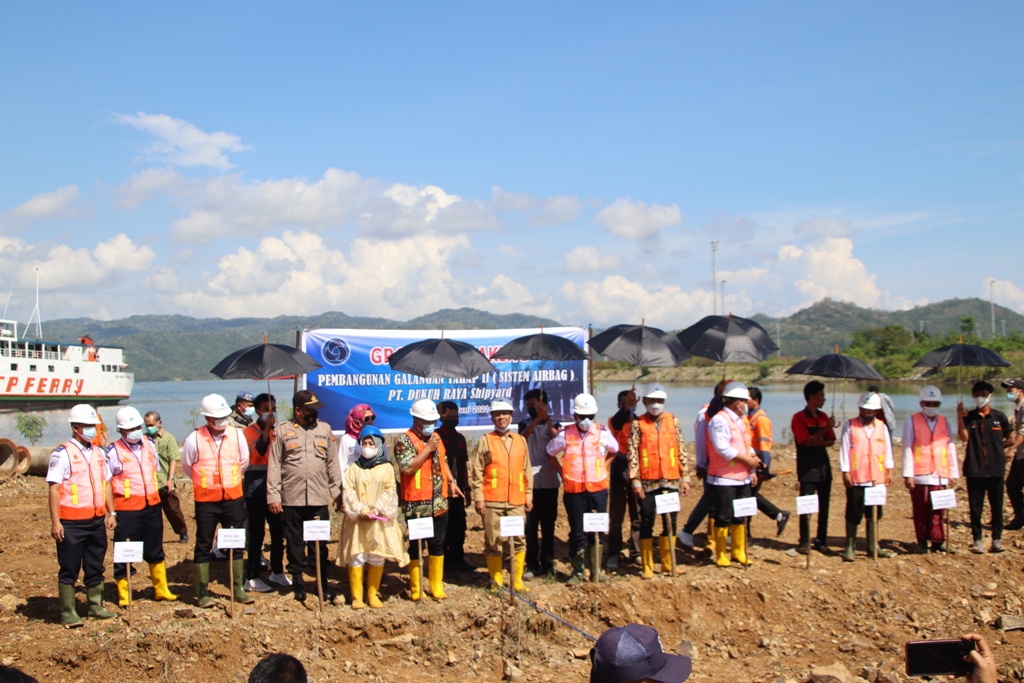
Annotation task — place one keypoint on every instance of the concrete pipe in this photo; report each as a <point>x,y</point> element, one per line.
<point>37,460</point>
<point>8,449</point>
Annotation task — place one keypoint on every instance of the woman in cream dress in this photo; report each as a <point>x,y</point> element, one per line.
<point>370,530</point>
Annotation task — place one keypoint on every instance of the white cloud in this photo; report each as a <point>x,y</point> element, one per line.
<point>616,299</point>
<point>590,259</point>
<point>822,226</point>
<point>556,210</point>
<point>1005,293</point>
<point>828,268</point>
<point>47,204</point>
<point>141,186</point>
<point>180,143</point>
<point>63,268</point>
<point>636,220</point>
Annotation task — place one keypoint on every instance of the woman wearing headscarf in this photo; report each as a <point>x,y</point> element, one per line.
<point>348,449</point>
<point>370,531</point>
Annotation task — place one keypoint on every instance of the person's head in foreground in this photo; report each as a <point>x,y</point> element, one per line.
<point>278,668</point>
<point>633,654</point>
<point>9,674</point>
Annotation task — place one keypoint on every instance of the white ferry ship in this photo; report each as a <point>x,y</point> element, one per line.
<point>45,374</point>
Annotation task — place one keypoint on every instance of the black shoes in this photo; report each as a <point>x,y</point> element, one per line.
<point>183,538</point>
<point>780,524</point>
<point>299,588</point>
<point>1016,524</point>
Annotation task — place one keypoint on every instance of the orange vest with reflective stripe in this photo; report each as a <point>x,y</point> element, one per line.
<point>136,486</point>
<point>583,465</point>
<point>81,494</point>
<point>621,435</point>
<point>931,449</point>
<point>252,435</point>
<point>658,456</point>
<point>867,455</point>
<point>217,474</point>
<point>418,486</point>
<point>739,440</point>
<point>505,474</point>
<point>760,430</point>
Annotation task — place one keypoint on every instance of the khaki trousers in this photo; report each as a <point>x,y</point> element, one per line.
<point>492,528</point>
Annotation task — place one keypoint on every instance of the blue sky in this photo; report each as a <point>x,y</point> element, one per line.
<point>572,160</point>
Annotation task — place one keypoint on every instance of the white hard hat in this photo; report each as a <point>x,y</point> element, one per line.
<point>736,390</point>
<point>655,390</point>
<point>425,409</point>
<point>930,392</point>
<point>128,418</point>
<point>83,414</point>
<point>869,400</point>
<point>214,406</point>
<point>500,406</point>
<point>584,404</point>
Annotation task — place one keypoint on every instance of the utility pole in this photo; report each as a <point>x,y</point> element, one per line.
<point>778,336</point>
<point>920,324</point>
<point>723,297</point>
<point>714,279</point>
<point>992,304</point>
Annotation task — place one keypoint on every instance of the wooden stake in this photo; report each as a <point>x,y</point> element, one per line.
<point>319,582</point>
<point>231,579</point>
<point>128,567</point>
<point>511,572</point>
<point>874,521</point>
<point>807,566</point>
<point>666,519</point>
<point>945,521</point>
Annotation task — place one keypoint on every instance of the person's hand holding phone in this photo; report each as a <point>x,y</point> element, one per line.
<point>985,669</point>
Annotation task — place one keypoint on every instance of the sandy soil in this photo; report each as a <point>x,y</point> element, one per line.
<point>773,621</point>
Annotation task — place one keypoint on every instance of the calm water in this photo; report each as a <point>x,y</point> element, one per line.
<point>175,400</point>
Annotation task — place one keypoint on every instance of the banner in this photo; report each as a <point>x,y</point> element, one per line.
<point>355,370</point>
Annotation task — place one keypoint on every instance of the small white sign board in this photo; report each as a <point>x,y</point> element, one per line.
<point>874,495</point>
<point>744,507</point>
<point>230,539</point>
<point>666,503</point>
<point>421,527</point>
<point>513,526</point>
<point>126,552</point>
<point>316,530</point>
<point>595,522</point>
<point>943,500</point>
<point>807,505</point>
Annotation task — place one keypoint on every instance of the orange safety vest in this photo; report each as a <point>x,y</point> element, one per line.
<point>252,435</point>
<point>760,430</point>
<point>739,440</point>
<point>136,486</point>
<point>658,457</point>
<point>621,435</point>
<point>418,486</point>
<point>867,456</point>
<point>928,444</point>
<point>216,474</point>
<point>583,467</point>
<point>80,497</point>
<point>505,474</point>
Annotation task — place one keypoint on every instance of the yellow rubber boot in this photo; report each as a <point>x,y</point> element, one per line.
<point>122,593</point>
<point>722,547</point>
<point>667,546</point>
<point>519,566</point>
<point>647,557</point>
<point>374,575</point>
<point>436,577</point>
<point>158,574</point>
<point>414,579</point>
<point>709,547</point>
<point>494,571</point>
<point>355,583</point>
<point>739,543</point>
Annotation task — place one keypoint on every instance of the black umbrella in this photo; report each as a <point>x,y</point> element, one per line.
<point>728,339</point>
<point>640,345</point>
<point>541,346</point>
<point>440,358</point>
<point>264,361</point>
<point>960,356</point>
<point>835,365</point>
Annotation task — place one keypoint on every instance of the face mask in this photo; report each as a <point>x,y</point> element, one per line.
<point>585,423</point>
<point>655,409</point>
<point>930,412</point>
<point>134,436</point>
<point>152,431</point>
<point>266,416</point>
<point>311,416</point>
<point>427,429</point>
<point>221,423</point>
<point>532,412</point>
<point>981,401</point>
<point>501,430</point>
<point>88,433</point>
<point>742,407</point>
<point>451,424</point>
<point>1011,397</point>
<point>250,413</point>
<point>369,452</point>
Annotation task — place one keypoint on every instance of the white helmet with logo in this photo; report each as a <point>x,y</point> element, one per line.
<point>214,406</point>
<point>930,392</point>
<point>869,400</point>
<point>83,414</point>
<point>425,409</point>
<point>501,406</point>
<point>128,418</point>
<point>736,390</point>
<point>584,404</point>
<point>655,391</point>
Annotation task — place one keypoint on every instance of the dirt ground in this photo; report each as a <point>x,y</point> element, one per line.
<point>771,622</point>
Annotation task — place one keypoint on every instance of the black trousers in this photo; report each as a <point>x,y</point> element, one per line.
<point>146,525</point>
<point>649,511</point>
<point>540,557</point>
<point>172,508</point>
<point>435,544</point>
<point>576,505</point>
<point>1015,488</point>
<point>299,550</point>
<point>722,498</point>
<point>824,491</point>
<point>455,533</point>
<point>977,489</point>
<point>84,547</point>
<point>230,514</point>
<point>855,508</point>
<point>764,505</point>
<point>259,517</point>
<point>620,499</point>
